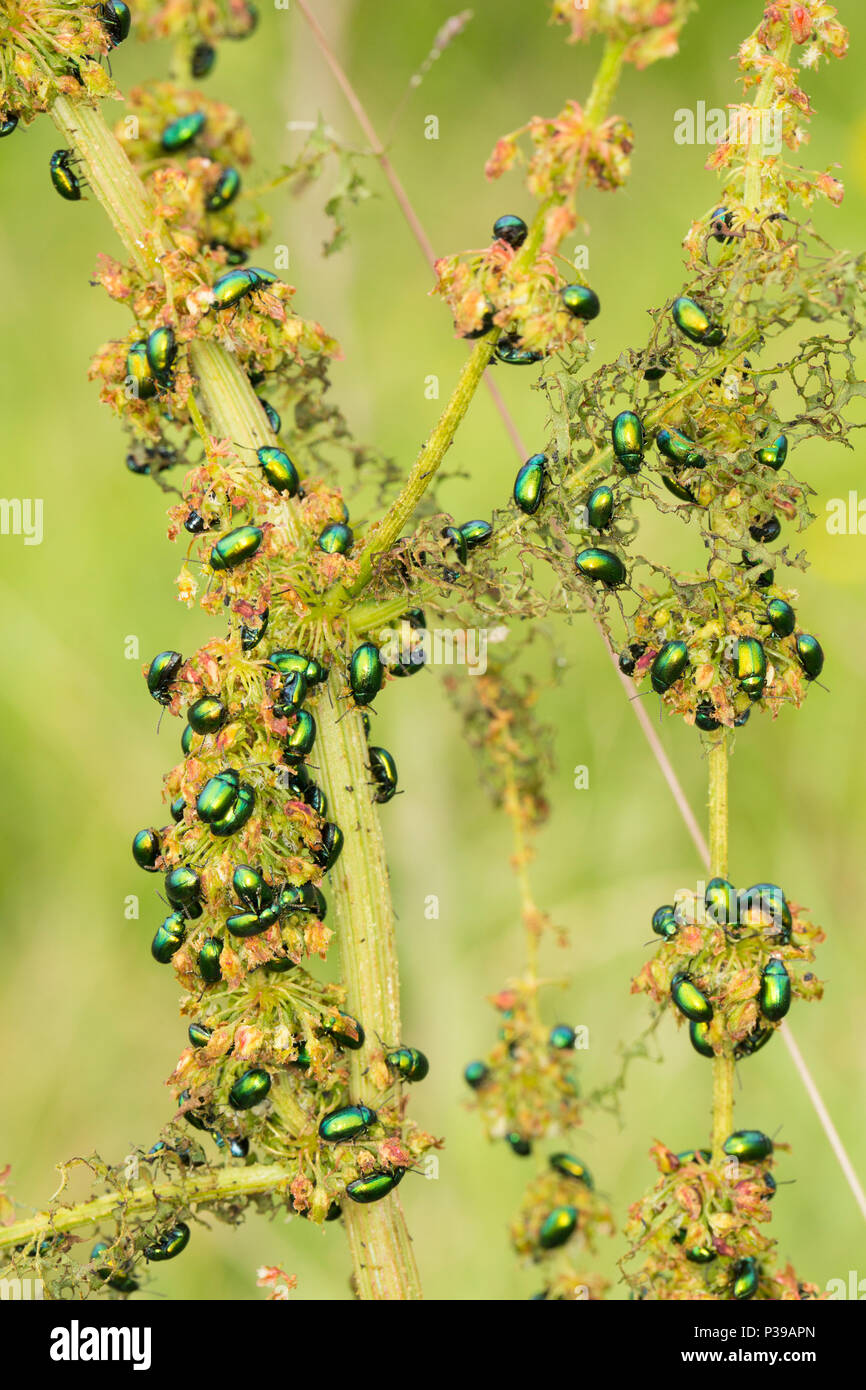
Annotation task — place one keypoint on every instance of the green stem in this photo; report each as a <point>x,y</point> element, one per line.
<point>141,1199</point>
<point>381,1246</point>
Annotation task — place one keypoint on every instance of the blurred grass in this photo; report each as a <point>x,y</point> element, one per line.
<point>88,1025</point>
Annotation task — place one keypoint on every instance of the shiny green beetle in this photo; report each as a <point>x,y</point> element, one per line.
<point>345,1030</point>
<point>168,938</point>
<point>701,1254</point>
<point>273,418</point>
<point>751,666</point>
<point>347,1123</point>
<point>161,674</point>
<point>169,1245</point>
<point>384,771</point>
<point>695,323</point>
<point>209,960</point>
<point>366,673</point>
<point>773,455</point>
<point>518,1143</point>
<point>245,924</point>
<point>374,1186</point>
<point>115,1278</point>
<point>177,808</point>
<point>218,795</point>
<point>139,376</point>
<point>235,547</point>
<point>680,450</point>
<point>781,617</point>
<point>225,190</point>
<point>721,902</point>
<point>299,741</point>
<point>146,850</point>
<point>288,659</point>
<point>699,1038</point>
<point>231,287</point>
<point>249,1089</point>
<point>810,655</point>
<point>475,533</point>
<point>599,508</point>
<point>628,440</point>
<point>238,814</point>
<point>207,715</point>
<point>182,885</point>
<point>753,1042</point>
<point>690,1000</point>
<point>571,1167</point>
<point>251,888</point>
<point>557,1227</point>
<point>202,60</point>
<point>116,19</point>
<point>664,921</point>
<point>8,124</point>
<point>770,901</point>
<point>64,179</point>
<point>705,717</point>
<point>561,1036</point>
<point>336,538</point>
<point>750,1144</point>
<point>510,228</point>
<point>475,1074</point>
<point>679,490</point>
<point>278,469</point>
<point>187,740</point>
<point>331,847</point>
<point>182,131</point>
<point>161,350</point>
<point>198,1034</point>
<point>774,998</point>
<point>530,483</point>
<point>292,694</point>
<point>668,665</point>
<point>411,1064</point>
<point>601,567</point>
<point>508,352</point>
<point>745,1278</point>
<point>580,301</point>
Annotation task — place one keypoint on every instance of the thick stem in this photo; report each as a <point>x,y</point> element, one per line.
<point>381,1246</point>
<point>143,1198</point>
<point>723,1066</point>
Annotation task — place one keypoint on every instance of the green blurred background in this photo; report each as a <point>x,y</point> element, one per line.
<point>88,1025</point>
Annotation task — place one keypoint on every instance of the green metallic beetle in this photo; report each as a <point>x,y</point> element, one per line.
<point>601,567</point>
<point>781,617</point>
<point>251,888</point>
<point>508,352</point>
<point>699,1038</point>
<point>235,547</point>
<point>518,1143</point>
<point>773,455</point>
<point>752,1043</point>
<point>225,190</point>
<point>336,539</point>
<point>202,59</point>
<point>161,674</point>
<point>170,1244</point>
<point>679,449</point>
<point>182,885</point>
<point>690,1000</point>
<point>209,960</point>
<point>199,1034</point>
<point>146,850</point>
<point>475,1074</point>
<point>366,673</point>
<point>177,808</point>
<point>169,937</point>
<point>529,485</point>
<point>571,1167</point>
<point>207,715</point>
<point>679,490</point>
<point>238,814</point>
<point>668,666</point>
<point>599,507</point>
<point>345,1030</point>
<point>299,741</point>
<point>115,1278</point>
<point>161,350</point>
<point>347,1123</point>
<point>331,847</point>
<point>628,440</point>
<point>218,795</point>
<point>705,717</point>
<point>557,1227</point>
<point>288,659</point>
<point>181,132</point>
<point>721,902</point>
<point>374,1186</point>
<point>580,301</point>
<point>774,998</point>
<point>140,378</point>
<point>245,924</point>
<point>250,1089</point>
<point>271,415</point>
<point>749,1144</point>
<point>695,323</point>
<point>562,1037</point>
<point>475,533</point>
<point>411,1064</point>
<point>278,469</point>
<point>745,1278</point>
<point>751,667</point>
<point>511,229</point>
<point>292,694</point>
<point>769,900</point>
<point>232,286</point>
<point>810,655</point>
<point>664,921</point>
<point>384,771</point>
<point>116,20</point>
<point>64,179</point>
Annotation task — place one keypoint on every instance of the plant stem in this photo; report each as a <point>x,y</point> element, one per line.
<point>216,1185</point>
<point>723,1066</point>
<point>381,1247</point>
